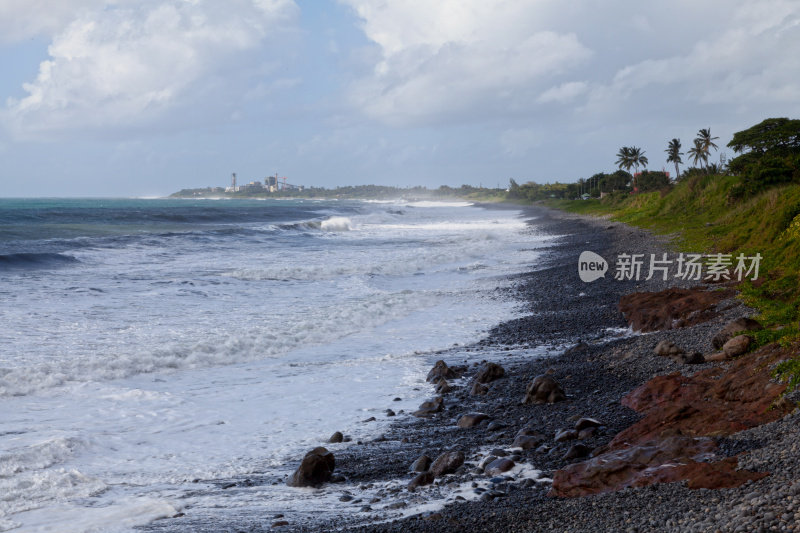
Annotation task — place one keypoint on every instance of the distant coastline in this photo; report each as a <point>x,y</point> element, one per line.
<point>354,192</point>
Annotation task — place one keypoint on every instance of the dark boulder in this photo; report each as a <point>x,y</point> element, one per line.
<point>336,437</point>
<point>471,419</point>
<point>499,466</point>
<point>422,464</point>
<point>577,451</point>
<point>439,371</point>
<point>732,328</point>
<point>544,389</point>
<point>447,463</point>
<point>429,408</point>
<point>315,469</point>
<point>586,422</point>
<point>478,388</point>
<point>489,372</point>
<point>421,479</point>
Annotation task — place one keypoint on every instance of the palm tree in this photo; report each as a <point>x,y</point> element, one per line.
<point>625,158</point>
<point>637,154</point>
<point>698,152</point>
<point>707,142</point>
<point>674,155</point>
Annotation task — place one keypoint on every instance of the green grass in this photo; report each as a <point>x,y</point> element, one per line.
<point>698,214</point>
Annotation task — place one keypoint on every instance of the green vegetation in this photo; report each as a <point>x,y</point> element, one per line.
<point>753,206</point>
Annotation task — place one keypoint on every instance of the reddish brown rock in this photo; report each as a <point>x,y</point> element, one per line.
<point>660,461</point>
<point>670,443</point>
<point>671,308</point>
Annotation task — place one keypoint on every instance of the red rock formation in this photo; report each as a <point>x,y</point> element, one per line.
<point>671,308</point>
<point>671,442</point>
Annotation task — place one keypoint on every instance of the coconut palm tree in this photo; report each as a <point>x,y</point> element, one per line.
<point>707,142</point>
<point>625,158</point>
<point>698,152</point>
<point>637,154</point>
<point>674,155</point>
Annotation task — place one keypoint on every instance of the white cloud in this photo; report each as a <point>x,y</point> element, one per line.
<point>449,59</point>
<point>564,93</point>
<point>751,61</point>
<point>125,64</point>
<point>22,19</point>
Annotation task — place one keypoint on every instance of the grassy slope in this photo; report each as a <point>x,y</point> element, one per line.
<point>698,214</point>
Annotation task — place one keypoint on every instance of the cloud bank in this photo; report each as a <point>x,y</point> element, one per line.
<point>127,63</point>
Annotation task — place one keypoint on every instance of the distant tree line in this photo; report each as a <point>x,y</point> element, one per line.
<point>769,154</point>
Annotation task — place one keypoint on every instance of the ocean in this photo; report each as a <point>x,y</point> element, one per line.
<point>149,347</point>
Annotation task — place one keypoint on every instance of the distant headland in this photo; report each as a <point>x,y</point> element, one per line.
<point>278,187</point>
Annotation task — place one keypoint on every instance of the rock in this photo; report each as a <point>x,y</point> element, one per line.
<point>661,461</point>
<point>499,452</point>
<point>429,408</point>
<point>671,308</point>
<point>447,463</point>
<point>716,357</point>
<point>544,389</point>
<point>443,387</point>
<point>421,479</point>
<point>737,346</point>
<point>389,412</point>
<point>495,425</point>
<point>583,423</point>
<point>694,358</point>
<point>576,451</point>
<point>667,349</point>
<point>336,437</point>
<point>581,346</point>
<point>315,469</point>
<point>478,388</point>
<point>471,419</point>
<point>527,442</point>
<point>439,371</point>
<point>422,464</point>
<point>489,372</point>
<point>565,435</point>
<point>733,327</point>
<point>587,433</point>
<point>498,466</point>
<point>280,523</point>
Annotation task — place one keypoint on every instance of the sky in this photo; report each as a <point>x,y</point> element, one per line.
<point>145,97</point>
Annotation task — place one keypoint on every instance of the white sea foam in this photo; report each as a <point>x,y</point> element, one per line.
<point>336,224</point>
<point>190,356</point>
